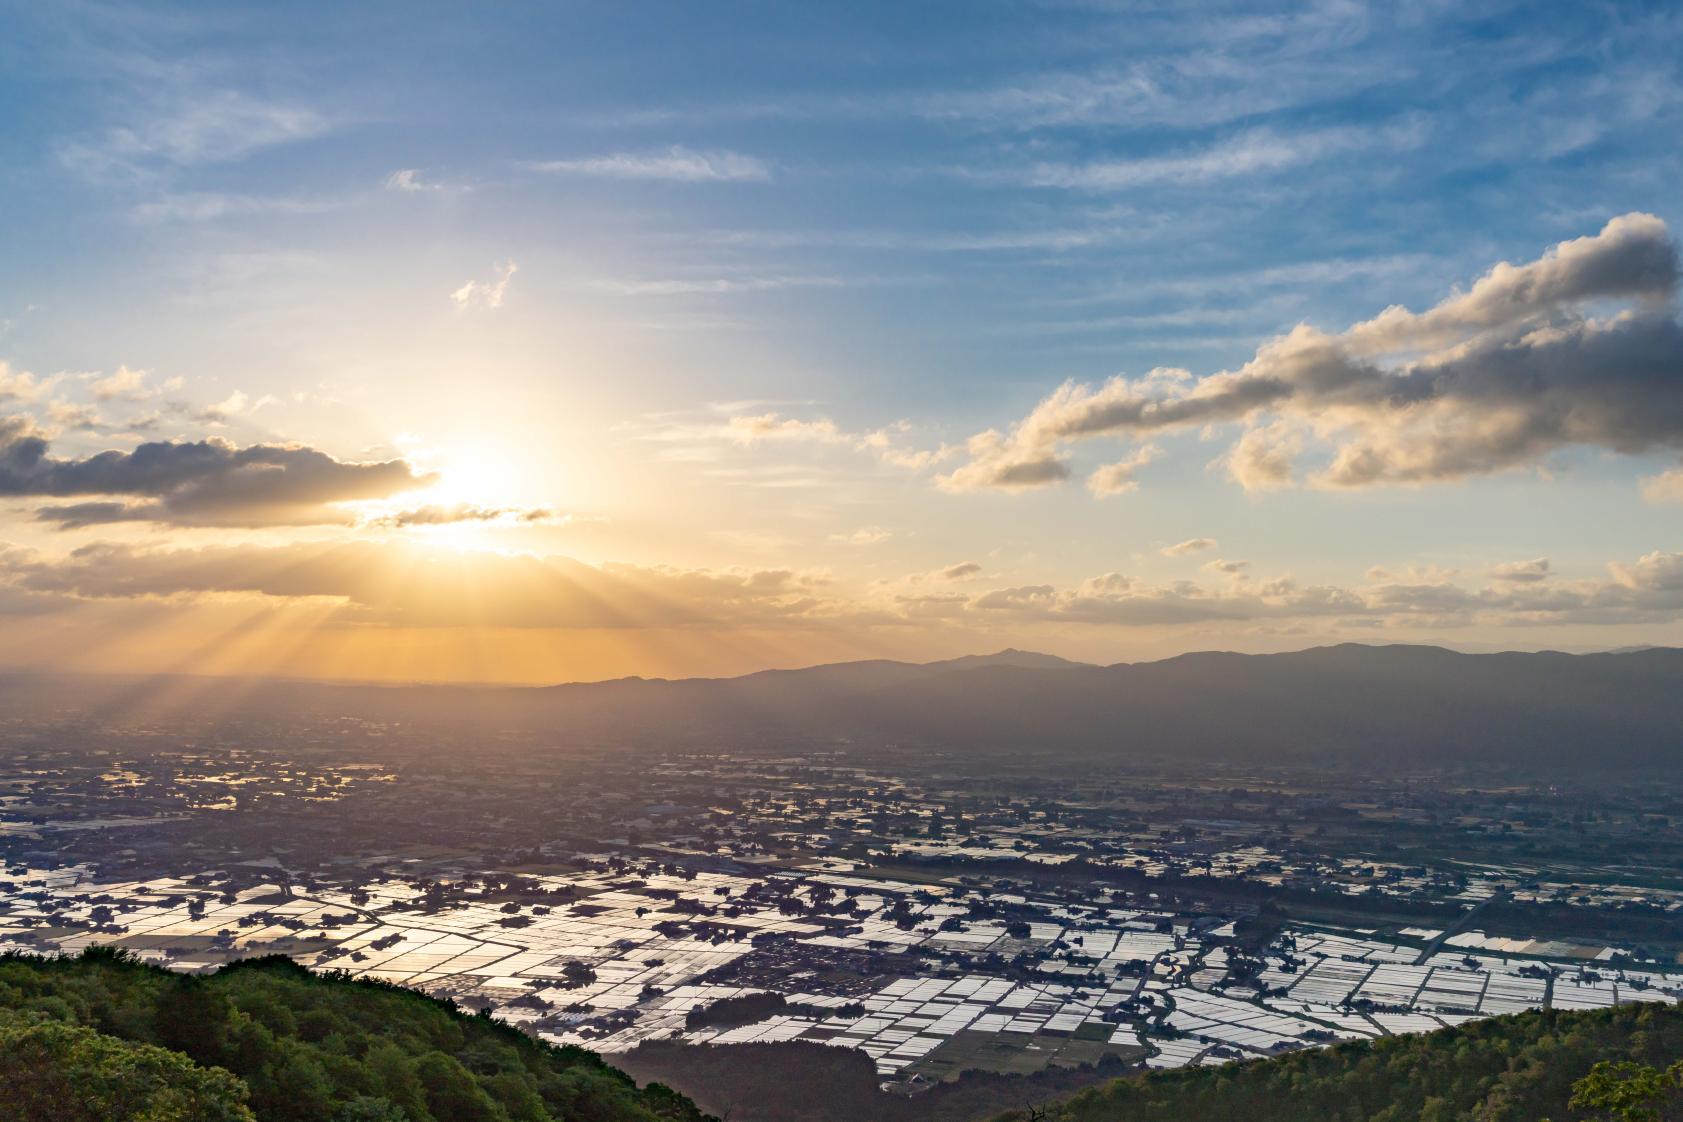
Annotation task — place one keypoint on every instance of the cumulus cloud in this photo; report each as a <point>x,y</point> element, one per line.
<point>1522,572</point>
<point>205,482</point>
<point>126,384</point>
<point>1262,458</point>
<point>1002,464</point>
<point>388,582</point>
<point>1580,347</point>
<point>486,293</point>
<point>20,385</point>
<point>1118,478</point>
<point>1190,545</point>
<point>1666,487</point>
<point>676,164</point>
<point>1653,572</point>
<point>1120,601</point>
<point>1647,590</point>
<point>947,574</point>
<point>73,416</point>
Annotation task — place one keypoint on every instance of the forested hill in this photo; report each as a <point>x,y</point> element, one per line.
<point>101,1038</point>
<point>1526,1067</point>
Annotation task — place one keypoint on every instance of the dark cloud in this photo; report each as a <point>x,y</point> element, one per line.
<point>202,483</point>
<point>446,515</point>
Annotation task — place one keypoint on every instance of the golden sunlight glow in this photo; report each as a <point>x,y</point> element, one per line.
<point>480,474</point>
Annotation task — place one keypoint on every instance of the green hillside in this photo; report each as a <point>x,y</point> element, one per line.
<point>1528,1067</point>
<point>102,1038</point>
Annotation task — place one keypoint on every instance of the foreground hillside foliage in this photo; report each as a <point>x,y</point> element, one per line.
<point>1607,1064</point>
<point>103,1038</point>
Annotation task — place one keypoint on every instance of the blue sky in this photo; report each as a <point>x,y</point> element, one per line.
<point>732,289</point>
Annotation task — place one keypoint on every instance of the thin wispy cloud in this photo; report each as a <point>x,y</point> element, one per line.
<point>212,206</point>
<point>408,180</point>
<point>719,286</point>
<point>1249,154</point>
<point>192,126</point>
<point>676,164</point>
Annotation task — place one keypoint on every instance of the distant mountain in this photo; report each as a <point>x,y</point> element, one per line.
<point>1352,703</point>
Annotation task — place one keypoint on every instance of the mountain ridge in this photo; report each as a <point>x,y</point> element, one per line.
<point>1357,703</point>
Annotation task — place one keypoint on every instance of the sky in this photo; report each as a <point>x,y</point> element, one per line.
<point>565,341</point>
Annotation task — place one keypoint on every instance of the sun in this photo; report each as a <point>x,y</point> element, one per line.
<point>477,490</point>
<point>480,474</point>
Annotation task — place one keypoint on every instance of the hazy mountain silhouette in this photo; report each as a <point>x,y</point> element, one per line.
<point>1350,702</point>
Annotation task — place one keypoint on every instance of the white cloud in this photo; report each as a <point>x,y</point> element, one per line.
<point>188,126</point>
<point>690,440</point>
<point>1118,478</point>
<point>20,385</point>
<point>126,384</point>
<point>752,429</point>
<point>486,293</point>
<point>720,286</point>
<point>1666,487</point>
<point>210,206</point>
<point>1648,590</point>
<point>1526,362</point>
<point>1190,545</point>
<point>1652,572</point>
<point>1252,153</point>
<point>676,164</point>
<point>73,416</point>
<point>408,179</point>
<point>1262,458</point>
<point>236,404</point>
